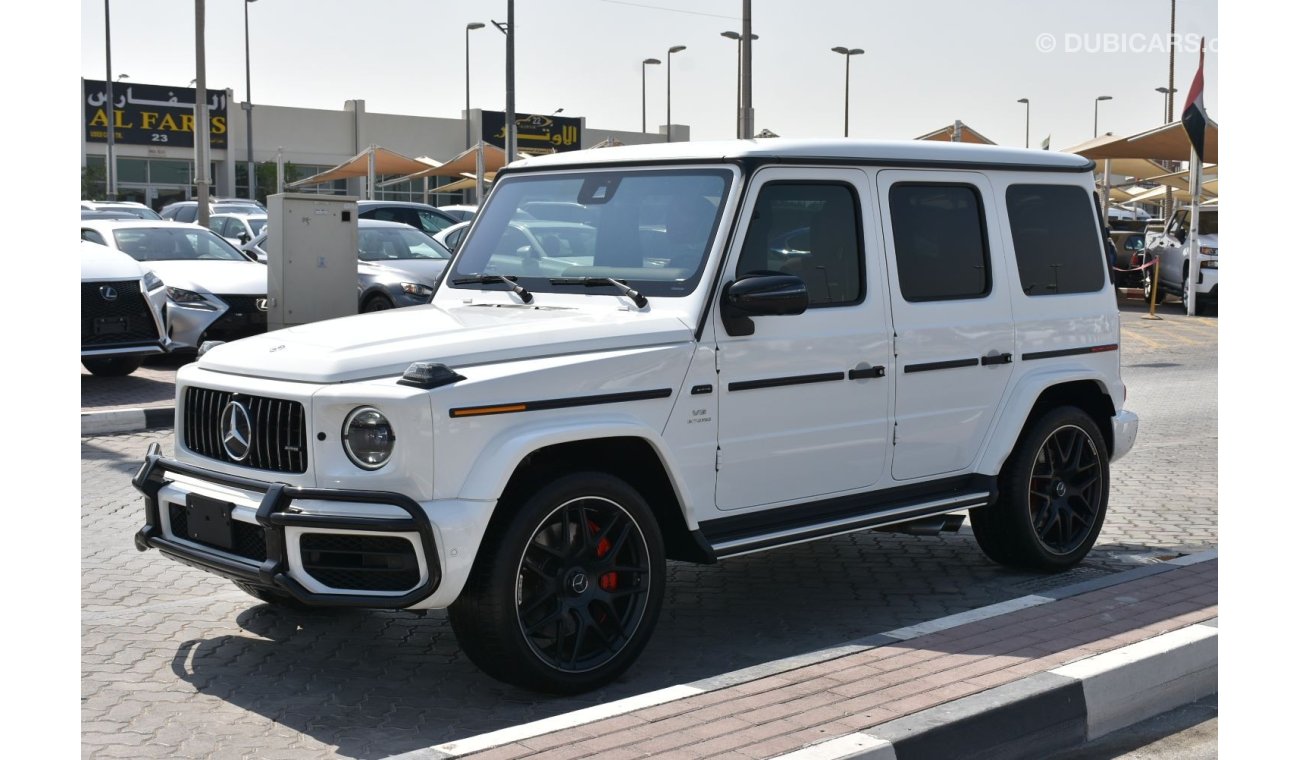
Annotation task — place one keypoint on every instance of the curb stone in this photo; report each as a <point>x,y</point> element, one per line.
<point>126,420</point>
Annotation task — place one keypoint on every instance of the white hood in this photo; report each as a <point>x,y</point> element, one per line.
<point>99,262</point>
<point>385,343</point>
<point>245,278</point>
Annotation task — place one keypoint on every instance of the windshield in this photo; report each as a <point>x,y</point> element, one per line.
<point>172,244</point>
<point>650,228</point>
<point>1209,222</point>
<point>393,243</point>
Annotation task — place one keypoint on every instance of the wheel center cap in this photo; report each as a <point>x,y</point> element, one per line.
<point>578,582</point>
<point>1060,488</point>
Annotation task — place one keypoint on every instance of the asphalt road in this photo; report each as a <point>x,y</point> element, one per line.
<point>176,662</point>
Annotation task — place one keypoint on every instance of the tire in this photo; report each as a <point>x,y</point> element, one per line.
<point>273,598</point>
<point>566,589</point>
<point>1201,308</point>
<point>376,303</point>
<point>111,366</point>
<point>1052,495</point>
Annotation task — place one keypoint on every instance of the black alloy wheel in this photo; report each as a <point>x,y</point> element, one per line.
<point>582,585</point>
<point>1052,495</point>
<point>566,588</point>
<point>376,303</point>
<point>1065,489</point>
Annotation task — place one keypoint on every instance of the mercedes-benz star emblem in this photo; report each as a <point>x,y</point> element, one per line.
<point>236,431</point>
<point>108,292</point>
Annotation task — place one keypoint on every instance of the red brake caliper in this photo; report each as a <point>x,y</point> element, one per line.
<point>608,581</point>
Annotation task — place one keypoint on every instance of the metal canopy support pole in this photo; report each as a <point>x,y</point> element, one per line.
<point>511,146</point>
<point>370,173</point>
<point>478,173</point>
<point>1194,236</point>
<point>1105,194</point>
<point>248,106</point>
<point>279,169</point>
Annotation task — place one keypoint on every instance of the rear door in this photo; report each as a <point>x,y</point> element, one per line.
<point>951,313</point>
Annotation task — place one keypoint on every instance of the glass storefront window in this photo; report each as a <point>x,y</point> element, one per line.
<point>166,172</point>
<point>132,169</point>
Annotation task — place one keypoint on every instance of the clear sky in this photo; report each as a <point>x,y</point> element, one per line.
<point>925,64</point>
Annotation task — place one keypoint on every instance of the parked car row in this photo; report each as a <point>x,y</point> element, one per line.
<point>211,284</point>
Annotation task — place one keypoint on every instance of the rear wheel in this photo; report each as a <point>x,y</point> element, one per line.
<point>1052,495</point>
<point>111,366</point>
<point>567,588</point>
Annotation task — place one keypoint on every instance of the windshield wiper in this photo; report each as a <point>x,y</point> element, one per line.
<point>481,279</point>
<point>595,282</point>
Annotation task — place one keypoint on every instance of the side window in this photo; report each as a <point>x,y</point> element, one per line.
<point>93,236</point>
<point>813,231</point>
<point>1054,231</point>
<point>187,213</point>
<point>940,241</point>
<point>432,223</point>
<point>384,214</point>
<point>218,225</point>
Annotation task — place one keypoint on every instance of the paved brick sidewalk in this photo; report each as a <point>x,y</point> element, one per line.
<point>780,713</point>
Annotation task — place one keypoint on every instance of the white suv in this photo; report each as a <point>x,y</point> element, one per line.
<point>747,345</point>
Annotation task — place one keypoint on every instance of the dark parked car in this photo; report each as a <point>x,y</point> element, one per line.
<point>1130,250</point>
<point>421,216</point>
<point>397,265</point>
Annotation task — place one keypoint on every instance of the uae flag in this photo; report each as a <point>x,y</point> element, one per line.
<point>1194,116</point>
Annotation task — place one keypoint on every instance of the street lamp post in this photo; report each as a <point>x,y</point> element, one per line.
<point>1096,103</point>
<point>468,28</point>
<point>1026,102</point>
<point>110,175</point>
<point>651,62</point>
<point>848,55</point>
<point>740,79</point>
<point>248,105</point>
<point>671,50</point>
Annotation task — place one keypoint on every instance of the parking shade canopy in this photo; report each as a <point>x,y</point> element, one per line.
<point>386,162</point>
<point>463,164</point>
<point>1166,143</point>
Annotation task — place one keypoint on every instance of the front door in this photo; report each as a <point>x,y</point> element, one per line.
<point>802,412</point>
<point>952,316</point>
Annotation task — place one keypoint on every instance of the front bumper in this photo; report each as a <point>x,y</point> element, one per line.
<point>281,527</point>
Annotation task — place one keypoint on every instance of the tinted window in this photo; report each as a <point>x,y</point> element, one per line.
<point>393,243</point>
<point>431,222</point>
<point>811,231</point>
<point>940,246</point>
<point>169,244</point>
<point>93,237</point>
<point>1054,231</point>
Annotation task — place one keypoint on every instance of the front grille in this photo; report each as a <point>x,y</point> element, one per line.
<point>249,540</point>
<point>365,563</point>
<point>123,321</point>
<point>241,320</point>
<point>278,440</point>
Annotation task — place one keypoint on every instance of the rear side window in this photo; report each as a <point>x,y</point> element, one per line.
<point>1054,231</point>
<point>940,244</point>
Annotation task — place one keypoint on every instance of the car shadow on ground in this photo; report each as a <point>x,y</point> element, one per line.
<point>377,683</point>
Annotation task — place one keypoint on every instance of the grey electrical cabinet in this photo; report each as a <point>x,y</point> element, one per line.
<point>311,258</point>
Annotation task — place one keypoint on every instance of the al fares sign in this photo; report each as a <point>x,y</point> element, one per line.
<point>148,114</point>
<point>534,134</point>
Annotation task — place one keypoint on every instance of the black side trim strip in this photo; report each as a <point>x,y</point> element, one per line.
<point>774,382</point>
<point>757,525</point>
<point>1069,352</point>
<point>558,403</point>
<point>931,366</point>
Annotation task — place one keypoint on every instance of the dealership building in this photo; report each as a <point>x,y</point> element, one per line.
<point>154,142</point>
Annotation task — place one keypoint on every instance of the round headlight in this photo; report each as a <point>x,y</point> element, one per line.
<point>368,439</point>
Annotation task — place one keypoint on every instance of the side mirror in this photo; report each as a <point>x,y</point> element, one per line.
<point>244,238</point>
<point>761,295</point>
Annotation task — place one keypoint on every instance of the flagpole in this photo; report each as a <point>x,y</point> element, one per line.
<point>1194,236</point>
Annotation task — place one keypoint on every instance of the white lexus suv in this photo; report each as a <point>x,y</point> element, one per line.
<point>736,346</point>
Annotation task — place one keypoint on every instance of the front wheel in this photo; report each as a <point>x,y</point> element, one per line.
<point>1148,286</point>
<point>1052,495</point>
<point>567,587</point>
<point>111,366</point>
<point>376,303</point>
